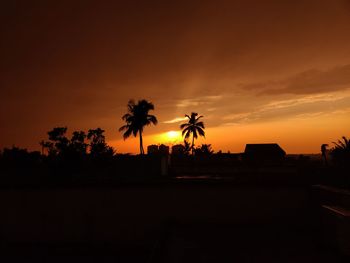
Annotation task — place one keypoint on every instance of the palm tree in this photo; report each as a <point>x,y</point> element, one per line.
<point>137,118</point>
<point>194,127</point>
<point>341,151</point>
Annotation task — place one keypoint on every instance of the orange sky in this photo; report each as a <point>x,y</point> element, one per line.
<point>259,71</point>
<point>298,134</point>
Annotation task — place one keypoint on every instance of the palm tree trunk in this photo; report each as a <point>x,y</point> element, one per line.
<point>192,144</point>
<point>141,143</point>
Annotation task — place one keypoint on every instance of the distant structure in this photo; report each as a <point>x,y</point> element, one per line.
<point>264,153</point>
<point>324,151</point>
<point>178,149</point>
<point>155,149</point>
<point>152,149</point>
<point>162,152</point>
<point>163,149</point>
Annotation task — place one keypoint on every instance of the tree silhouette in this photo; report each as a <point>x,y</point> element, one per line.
<point>78,147</point>
<point>96,136</point>
<point>98,146</point>
<point>204,150</point>
<point>77,142</point>
<point>137,118</point>
<point>58,142</point>
<point>49,146</point>
<point>194,127</point>
<point>341,151</point>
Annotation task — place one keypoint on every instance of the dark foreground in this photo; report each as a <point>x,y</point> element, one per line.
<point>190,243</point>
<point>245,243</point>
<point>164,222</point>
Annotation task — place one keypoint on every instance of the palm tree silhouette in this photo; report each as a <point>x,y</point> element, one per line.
<point>137,118</point>
<point>343,146</point>
<point>194,127</point>
<point>341,151</point>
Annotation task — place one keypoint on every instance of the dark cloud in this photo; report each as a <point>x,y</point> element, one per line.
<point>307,82</point>
<point>316,81</point>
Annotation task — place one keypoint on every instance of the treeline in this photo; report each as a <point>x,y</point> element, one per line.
<point>81,144</point>
<point>83,157</point>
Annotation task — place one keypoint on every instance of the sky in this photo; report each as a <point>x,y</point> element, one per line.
<point>258,71</point>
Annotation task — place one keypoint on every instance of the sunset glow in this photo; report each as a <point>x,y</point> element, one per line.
<point>275,71</point>
<point>170,137</point>
<point>173,135</point>
<point>175,131</point>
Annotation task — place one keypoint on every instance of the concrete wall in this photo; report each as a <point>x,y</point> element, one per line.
<point>136,214</point>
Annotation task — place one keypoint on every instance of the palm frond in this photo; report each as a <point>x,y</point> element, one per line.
<point>126,116</point>
<point>200,124</point>
<point>152,119</point>
<point>336,145</point>
<point>124,127</point>
<point>131,105</point>
<point>187,134</point>
<point>197,119</point>
<point>342,144</point>
<point>184,125</point>
<point>127,133</point>
<point>185,130</point>
<point>201,131</point>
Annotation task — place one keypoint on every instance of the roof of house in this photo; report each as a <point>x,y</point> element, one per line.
<point>264,149</point>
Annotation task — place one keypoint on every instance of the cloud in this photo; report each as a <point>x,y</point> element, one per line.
<point>204,100</point>
<point>310,99</point>
<point>175,120</point>
<point>308,106</point>
<point>306,82</point>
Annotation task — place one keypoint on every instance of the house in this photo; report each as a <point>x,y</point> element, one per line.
<point>178,149</point>
<point>155,149</point>
<point>152,149</point>
<point>266,152</point>
<point>163,149</point>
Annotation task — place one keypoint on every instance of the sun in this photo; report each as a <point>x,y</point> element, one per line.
<point>173,135</point>
<point>168,137</point>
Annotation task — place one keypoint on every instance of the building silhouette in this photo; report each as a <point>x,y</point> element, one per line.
<point>264,153</point>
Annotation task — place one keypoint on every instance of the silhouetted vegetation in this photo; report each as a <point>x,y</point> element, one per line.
<point>18,159</point>
<point>341,152</point>
<point>204,150</point>
<point>337,170</point>
<point>86,157</point>
<point>80,145</point>
<point>193,127</point>
<point>137,118</point>
<point>80,159</point>
<point>98,146</point>
<point>181,149</point>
